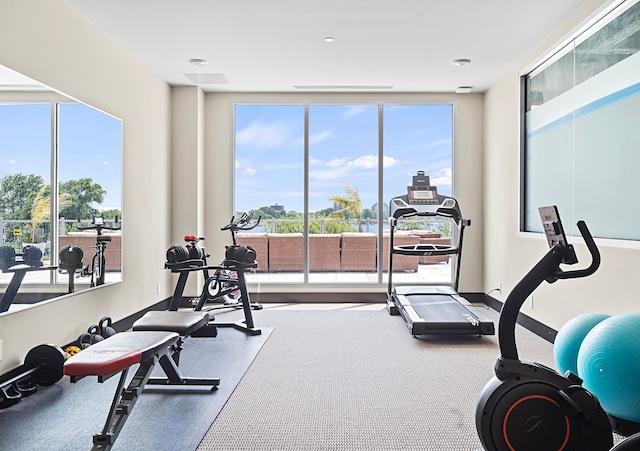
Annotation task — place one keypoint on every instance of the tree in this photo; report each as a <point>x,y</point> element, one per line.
<point>41,209</point>
<point>82,194</point>
<point>349,203</point>
<point>17,192</point>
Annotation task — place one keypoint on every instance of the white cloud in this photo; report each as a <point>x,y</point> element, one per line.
<point>264,136</point>
<point>365,161</point>
<point>336,162</point>
<point>371,161</point>
<point>248,171</point>
<point>442,177</point>
<point>12,161</point>
<point>339,168</point>
<point>319,137</point>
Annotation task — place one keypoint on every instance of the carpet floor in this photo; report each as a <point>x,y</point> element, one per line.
<point>352,377</point>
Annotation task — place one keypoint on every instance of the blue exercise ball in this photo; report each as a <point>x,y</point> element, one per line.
<point>609,364</point>
<point>569,339</point>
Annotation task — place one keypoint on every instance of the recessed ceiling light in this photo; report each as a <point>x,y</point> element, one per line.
<point>329,39</point>
<point>461,62</point>
<point>199,62</point>
<point>463,89</point>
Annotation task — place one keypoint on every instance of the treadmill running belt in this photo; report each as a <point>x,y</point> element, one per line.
<point>442,309</point>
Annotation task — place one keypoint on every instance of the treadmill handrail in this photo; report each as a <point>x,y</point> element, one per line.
<point>442,211</point>
<point>420,250</point>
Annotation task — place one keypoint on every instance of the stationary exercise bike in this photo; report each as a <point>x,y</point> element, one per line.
<point>528,406</point>
<point>96,271</point>
<point>228,279</point>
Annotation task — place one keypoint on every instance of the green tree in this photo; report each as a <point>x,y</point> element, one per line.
<point>368,213</point>
<point>41,209</point>
<point>350,205</point>
<point>17,192</point>
<point>82,194</point>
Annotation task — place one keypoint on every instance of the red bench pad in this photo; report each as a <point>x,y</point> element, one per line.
<point>118,352</point>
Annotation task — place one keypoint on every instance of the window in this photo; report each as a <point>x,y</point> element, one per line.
<point>321,177</point>
<point>581,130</point>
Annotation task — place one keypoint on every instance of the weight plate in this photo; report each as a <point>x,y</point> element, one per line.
<point>48,361</point>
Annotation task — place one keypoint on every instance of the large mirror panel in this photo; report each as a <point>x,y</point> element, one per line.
<point>60,194</point>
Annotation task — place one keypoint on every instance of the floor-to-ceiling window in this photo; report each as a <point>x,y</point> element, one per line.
<point>321,176</point>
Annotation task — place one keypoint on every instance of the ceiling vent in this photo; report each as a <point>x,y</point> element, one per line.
<point>207,79</point>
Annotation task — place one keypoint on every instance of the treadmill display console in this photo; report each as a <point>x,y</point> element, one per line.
<point>421,192</point>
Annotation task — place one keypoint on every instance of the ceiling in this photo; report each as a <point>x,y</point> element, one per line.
<point>279,46</point>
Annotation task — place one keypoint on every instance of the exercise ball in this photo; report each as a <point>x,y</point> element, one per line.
<point>569,338</point>
<point>609,364</point>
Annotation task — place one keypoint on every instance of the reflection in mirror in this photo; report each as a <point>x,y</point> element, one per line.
<point>50,143</point>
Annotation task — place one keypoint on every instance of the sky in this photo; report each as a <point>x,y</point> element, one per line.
<point>343,147</point>
<point>89,145</point>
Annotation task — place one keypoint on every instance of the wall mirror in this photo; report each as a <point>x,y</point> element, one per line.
<point>60,194</point>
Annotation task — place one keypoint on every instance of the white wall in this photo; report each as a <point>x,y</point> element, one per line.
<point>468,184</point>
<point>47,41</point>
<point>508,256</point>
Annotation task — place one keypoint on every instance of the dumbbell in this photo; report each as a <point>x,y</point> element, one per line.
<point>240,253</point>
<point>31,255</point>
<point>70,257</point>
<point>178,254</point>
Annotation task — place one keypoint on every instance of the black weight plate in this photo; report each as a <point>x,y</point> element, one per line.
<point>49,361</point>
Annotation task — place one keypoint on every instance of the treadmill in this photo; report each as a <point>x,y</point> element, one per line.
<point>432,309</point>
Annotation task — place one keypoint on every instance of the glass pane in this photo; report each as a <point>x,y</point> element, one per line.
<point>89,173</point>
<point>25,168</point>
<point>343,193</point>
<point>418,138</point>
<point>269,181</point>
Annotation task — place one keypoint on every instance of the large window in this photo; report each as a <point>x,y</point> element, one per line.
<point>582,109</point>
<point>322,175</point>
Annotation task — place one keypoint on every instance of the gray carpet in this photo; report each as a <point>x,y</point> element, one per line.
<point>351,377</point>
<point>64,416</point>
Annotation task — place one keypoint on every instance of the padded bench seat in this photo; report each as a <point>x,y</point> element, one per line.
<point>184,323</point>
<point>118,352</point>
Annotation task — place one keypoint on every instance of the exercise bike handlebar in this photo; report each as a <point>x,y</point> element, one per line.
<point>593,250</point>
<point>548,268</point>
<point>99,226</point>
<point>242,223</point>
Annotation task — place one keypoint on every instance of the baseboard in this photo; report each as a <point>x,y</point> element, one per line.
<point>533,325</point>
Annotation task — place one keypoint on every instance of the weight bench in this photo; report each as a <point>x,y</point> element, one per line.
<point>157,337</point>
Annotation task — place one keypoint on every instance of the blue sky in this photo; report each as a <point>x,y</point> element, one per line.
<point>89,145</point>
<point>343,147</point>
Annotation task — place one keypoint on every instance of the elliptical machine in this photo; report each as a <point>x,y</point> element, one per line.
<point>528,406</point>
